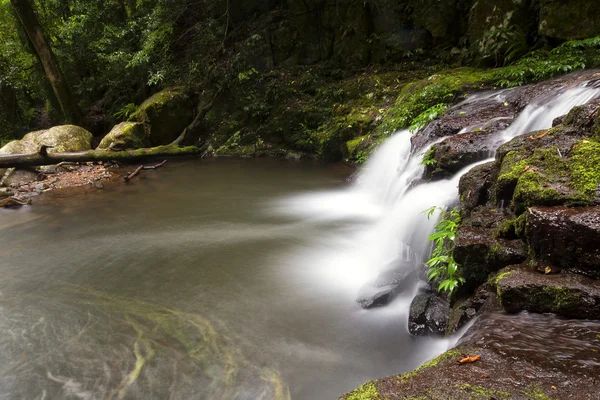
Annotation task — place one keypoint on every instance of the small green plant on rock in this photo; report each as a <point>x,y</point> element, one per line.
<point>442,267</point>
<point>428,157</point>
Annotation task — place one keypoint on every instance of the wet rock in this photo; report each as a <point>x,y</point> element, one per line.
<point>40,187</point>
<point>566,237</point>
<point>386,287</point>
<point>19,177</point>
<point>457,152</point>
<point>569,295</point>
<point>465,309</point>
<point>126,135</point>
<point>487,114</point>
<point>479,253</point>
<point>165,115</point>
<point>428,314</point>
<point>474,186</point>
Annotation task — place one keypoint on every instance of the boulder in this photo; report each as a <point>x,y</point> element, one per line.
<point>386,287</point>
<point>566,237</point>
<point>465,309</point>
<point>555,16</point>
<point>165,115</point>
<point>62,138</point>
<point>479,253</point>
<point>457,152</point>
<point>126,135</point>
<point>428,314</point>
<point>569,295</point>
<point>19,177</point>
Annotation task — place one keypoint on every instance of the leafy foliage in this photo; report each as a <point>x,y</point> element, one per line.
<point>442,267</point>
<point>427,116</point>
<point>428,157</point>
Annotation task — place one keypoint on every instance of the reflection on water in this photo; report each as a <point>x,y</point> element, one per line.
<point>188,284</point>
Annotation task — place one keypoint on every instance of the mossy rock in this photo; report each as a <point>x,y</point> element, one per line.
<point>568,295</point>
<point>62,138</point>
<point>555,16</point>
<point>165,115</point>
<point>126,135</point>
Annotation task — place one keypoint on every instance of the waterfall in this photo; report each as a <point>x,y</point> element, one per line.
<point>381,216</point>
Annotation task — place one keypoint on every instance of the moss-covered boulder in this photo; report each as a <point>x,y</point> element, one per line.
<point>555,17</point>
<point>62,138</point>
<point>165,115</point>
<point>569,295</point>
<point>126,135</point>
<point>565,237</point>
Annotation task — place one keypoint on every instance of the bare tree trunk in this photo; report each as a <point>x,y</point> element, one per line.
<point>34,31</point>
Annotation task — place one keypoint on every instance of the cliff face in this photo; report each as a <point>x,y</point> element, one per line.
<point>350,32</point>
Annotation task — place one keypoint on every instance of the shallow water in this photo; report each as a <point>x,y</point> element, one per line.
<point>189,283</point>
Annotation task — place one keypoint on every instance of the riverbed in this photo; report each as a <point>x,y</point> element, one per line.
<point>190,282</point>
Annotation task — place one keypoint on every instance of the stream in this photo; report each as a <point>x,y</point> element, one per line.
<point>225,279</point>
<point>190,283</point>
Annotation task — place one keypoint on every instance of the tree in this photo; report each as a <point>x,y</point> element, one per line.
<point>44,53</point>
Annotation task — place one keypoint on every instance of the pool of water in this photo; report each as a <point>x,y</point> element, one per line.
<point>190,282</point>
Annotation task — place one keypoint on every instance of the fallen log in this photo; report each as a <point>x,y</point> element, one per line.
<point>126,156</point>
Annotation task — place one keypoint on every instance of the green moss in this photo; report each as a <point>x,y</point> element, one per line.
<point>368,391</point>
<point>497,278</point>
<point>535,393</point>
<point>439,89</point>
<point>562,298</point>
<point>429,364</point>
<point>520,225</point>
<point>584,165</point>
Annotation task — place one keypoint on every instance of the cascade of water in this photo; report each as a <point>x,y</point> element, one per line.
<point>389,200</point>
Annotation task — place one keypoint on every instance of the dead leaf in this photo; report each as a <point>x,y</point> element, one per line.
<point>554,388</point>
<point>485,376</point>
<point>541,135</point>
<point>468,359</point>
<point>548,270</point>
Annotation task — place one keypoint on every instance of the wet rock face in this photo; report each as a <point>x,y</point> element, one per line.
<point>568,238</point>
<point>488,115</point>
<point>457,152</point>
<point>569,295</point>
<point>464,310</point>
<point>428,314</point>
<point>479,253</point>
<point>474,186</point>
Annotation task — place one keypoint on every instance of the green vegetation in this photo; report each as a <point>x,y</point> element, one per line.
<point>584,165</point>
<point>368,391</point>
<point>442,267</point>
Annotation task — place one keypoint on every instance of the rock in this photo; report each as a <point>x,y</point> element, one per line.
<point>5,192</point>
<point>386,287</point>
<point>481,113</point>
<point>566,237</point>
<point>165,115</point>
<point>474,186</point>
<point>488,16</point>
<point>19,177</point>
<point>40,187</point>
<point>569,295</point>
<point>457,152</point>
<point>464,310</point>
<point>428,314</point>
<point>62,138</point>
<point>126,135</point>
<point>555,14</point>
<point>479,253</point>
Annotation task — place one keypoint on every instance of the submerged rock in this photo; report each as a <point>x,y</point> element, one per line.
<point>386,287</point>
<point>165,115</point>
<point>569,295</point>
<point>126,135</point>
<point>568,238</point>
<point>428,314</point>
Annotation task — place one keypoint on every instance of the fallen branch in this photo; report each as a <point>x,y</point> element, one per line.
<point>202,111</point>
<point>139,169</point>
<point>126,156</point>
